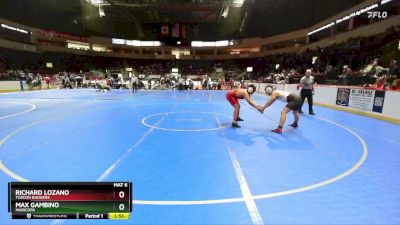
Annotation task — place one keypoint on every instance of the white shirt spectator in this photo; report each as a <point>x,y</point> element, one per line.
<point>134,80</point>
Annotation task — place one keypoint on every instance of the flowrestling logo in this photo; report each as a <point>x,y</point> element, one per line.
<point>377,14</point>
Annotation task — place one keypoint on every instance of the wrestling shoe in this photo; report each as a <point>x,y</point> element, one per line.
<point>235,125</point>
<point>240,119</point>
<point>277,130</point>
<point>294,125</point>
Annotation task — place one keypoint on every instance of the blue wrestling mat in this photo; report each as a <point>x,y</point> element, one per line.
<point>188,166</point>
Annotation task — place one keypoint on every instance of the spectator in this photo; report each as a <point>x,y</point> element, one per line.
<point>231,83</point>
<point>78,79</point>
<point>181,84</point>
<point>29,80</point>
<point>374,70</point>
<point>22,78</point>
<point>47,81</point>
<point>67,82</point>
<point>394,70</point>
<point>395,85</point>
<point>204,83</point>
<point>346,74</point>
<point>37,82</point>
<point>134,82</point>
<point>379,84</point>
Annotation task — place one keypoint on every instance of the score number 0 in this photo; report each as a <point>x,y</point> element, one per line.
<point>121,206</point>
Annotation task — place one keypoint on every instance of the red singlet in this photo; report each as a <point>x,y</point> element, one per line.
<point>232,97</point>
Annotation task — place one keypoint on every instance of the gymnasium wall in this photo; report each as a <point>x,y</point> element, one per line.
<point>360,101</point>
<point>325,96</point>
<point>9,86</point>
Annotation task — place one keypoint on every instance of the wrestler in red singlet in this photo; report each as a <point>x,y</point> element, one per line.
<point>233,96</point>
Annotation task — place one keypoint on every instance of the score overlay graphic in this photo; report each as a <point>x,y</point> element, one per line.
<point>70,200</point>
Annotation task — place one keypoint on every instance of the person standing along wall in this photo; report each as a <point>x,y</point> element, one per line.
<point>22,78</point>
<point>29,81</point>
<point>47,81</point>
<point>134,82</point>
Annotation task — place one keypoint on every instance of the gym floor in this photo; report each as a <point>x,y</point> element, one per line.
<point>188,166</point>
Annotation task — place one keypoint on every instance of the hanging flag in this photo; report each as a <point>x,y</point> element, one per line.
<point>175,30</point>
<point>183,31</point>
<point>165,30</point>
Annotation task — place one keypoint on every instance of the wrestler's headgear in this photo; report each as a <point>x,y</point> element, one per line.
<point>251,89</point>
<point>269,89</point>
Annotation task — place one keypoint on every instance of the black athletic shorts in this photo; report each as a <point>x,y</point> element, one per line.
<point>294,102</point>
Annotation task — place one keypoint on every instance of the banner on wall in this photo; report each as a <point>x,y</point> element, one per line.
<point>365,100</point>
<point>61,35</point>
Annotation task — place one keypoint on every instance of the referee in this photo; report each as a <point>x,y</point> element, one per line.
<point>307,91</point>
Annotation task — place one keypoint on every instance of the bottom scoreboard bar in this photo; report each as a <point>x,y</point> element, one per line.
<point>111,216</point>
<point>45,215</point>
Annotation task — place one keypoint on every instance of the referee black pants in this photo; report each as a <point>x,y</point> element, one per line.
<point>307,93</point>
<point>134,87</point>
